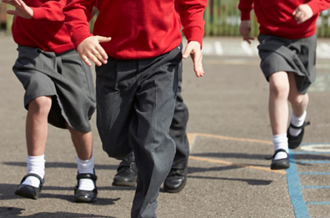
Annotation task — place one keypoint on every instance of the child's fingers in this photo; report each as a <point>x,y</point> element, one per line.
<point>101,51</point>
<point>98,56</point>
<point>85,59</point>
<point>198,66</point>
<point>103,39</point>
<point>187,51</point>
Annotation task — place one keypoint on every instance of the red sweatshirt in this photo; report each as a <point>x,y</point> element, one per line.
<point>46,29</point>
<point>138,28</point>
<point>275,16</point>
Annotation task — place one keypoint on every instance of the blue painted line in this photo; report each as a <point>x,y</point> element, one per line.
<point>318,203</point>
<point>297,199</point>
<point>315,187</point>
<point>314,173</point>
<point>313,162</point>
<point>310,152</point>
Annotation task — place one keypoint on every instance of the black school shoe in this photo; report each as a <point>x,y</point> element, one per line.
<point>279,164</point>
<point>82,196</point>
<point>176,180</point>
<point>28,191</point>
<point>295,141</point>
<point>126,173</point>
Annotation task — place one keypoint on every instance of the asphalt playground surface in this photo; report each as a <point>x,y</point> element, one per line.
<point>229,133</point>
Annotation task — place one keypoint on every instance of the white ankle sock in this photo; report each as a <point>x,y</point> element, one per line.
<point>36,165</point>
<point>86,166</point>
<point>297,121</point>
<point>280,142</point>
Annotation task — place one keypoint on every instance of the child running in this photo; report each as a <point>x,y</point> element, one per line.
<point>137,79</point>
<point>59,89</point>
<point>288,52</point>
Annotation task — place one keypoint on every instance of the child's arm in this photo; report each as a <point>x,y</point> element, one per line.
<point>77,14</point>
<point>305,11</point>
<point>245,6</point>
<point>49,11</point>
<point>191,15</point>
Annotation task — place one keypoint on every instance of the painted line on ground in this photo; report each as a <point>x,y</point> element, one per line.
<point>318,203</point>
<point>236,164</point>
<point>313,162</point>
<point>314,173</point>
<point>297,199</point>
<point>315,187</point>
<point>192,138</point>
<point>309,152</point>
<point>218,48</point>
<point>233,138</point>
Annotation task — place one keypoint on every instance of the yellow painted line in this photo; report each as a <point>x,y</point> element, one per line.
<point>192,136</point>
<point>233,138</point>
<point>235,164</point>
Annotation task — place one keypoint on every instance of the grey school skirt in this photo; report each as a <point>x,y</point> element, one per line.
<point>297,56</point>
<point>65,78</point>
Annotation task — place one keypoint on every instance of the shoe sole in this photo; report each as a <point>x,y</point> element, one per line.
<point>84,200</point>
<point>26,194</point>
<point>129,184</point>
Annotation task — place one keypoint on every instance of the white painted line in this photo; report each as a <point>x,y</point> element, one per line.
<point>218,48</point>
<point>323,50</point>
<point>207,49</point>
<point>247,49</point>
<point>316,147</point>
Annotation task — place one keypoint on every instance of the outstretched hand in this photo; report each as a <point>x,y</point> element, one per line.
<point>21,9</point>
<point>194,50</point>
<point>302,13</point>
<point>245,29</point>
<point>90,49</point>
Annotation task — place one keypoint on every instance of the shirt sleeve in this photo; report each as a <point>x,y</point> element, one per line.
<point>191,15</point>
<point>77,14</point>
<point>245,6</point>
<point>319,5</point>
<point>50,11</point>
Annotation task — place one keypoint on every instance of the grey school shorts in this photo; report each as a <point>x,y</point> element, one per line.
<point>297,56</point>
<point>64,77</point>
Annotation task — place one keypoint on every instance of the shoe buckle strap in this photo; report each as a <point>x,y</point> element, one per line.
<point>307,123</point>
<point>277,151</point>
<point>87,176</point>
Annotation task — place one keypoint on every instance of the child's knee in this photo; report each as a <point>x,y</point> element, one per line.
<point>279,88</point>
<point>297,99</point>
<point>40,105</point>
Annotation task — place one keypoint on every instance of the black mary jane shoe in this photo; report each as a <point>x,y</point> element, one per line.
<point>83,196</point>
<point>295,141</point>
<point>279,164</point>
<point>28,191</point>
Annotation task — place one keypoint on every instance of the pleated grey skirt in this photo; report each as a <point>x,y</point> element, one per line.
<point>297,56</point>
<point>65,78</point>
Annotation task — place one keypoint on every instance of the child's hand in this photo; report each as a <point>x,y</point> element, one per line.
<point>302,13</point>
<point>21,9</point>
<point>245,30</point>
<point>90,49</point>
<point>194,50</point>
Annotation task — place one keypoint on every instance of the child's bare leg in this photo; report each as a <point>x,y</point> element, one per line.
<point>37,125</point>
<point>278,105</point>
<point>278,111</point>
<point>36,136</point>
<point>299,104</point>
<point>83,143</point>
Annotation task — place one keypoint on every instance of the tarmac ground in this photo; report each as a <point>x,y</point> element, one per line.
<point>229,134</point>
